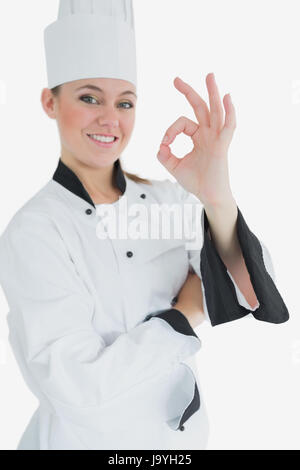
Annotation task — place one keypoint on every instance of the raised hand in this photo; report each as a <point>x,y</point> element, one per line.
<point>204,170</point>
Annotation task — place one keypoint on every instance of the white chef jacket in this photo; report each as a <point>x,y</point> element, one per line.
<point>92,324</point>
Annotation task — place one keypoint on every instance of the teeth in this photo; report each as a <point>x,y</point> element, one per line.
<point>102,138</point>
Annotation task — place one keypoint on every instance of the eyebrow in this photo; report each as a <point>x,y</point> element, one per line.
<point>95,88</point>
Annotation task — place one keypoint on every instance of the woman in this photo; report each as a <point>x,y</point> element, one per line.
<point>103,327</point>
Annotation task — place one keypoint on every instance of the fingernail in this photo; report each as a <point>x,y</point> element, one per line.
<point>165,139</point>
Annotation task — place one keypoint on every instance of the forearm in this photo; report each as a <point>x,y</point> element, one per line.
<point>222,221</point>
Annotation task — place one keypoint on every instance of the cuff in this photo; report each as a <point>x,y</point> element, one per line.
<point>176,320</point>
<point>220,293</point>
<point>179,323</point>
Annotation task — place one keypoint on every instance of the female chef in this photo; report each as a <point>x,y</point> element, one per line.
<point>103,327</point>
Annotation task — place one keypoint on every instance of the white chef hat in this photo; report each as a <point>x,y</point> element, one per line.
<point>91,39</point>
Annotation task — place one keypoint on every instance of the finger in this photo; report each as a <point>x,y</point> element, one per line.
<point>182,124</point>
<point>216,108</point>
<point>167,159</point>
<point>198,104</point>
<point>230,119</point>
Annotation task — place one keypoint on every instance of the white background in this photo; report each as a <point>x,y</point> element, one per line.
<point>249,369</point>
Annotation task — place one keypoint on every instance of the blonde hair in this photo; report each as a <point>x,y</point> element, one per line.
<point>133,177</point>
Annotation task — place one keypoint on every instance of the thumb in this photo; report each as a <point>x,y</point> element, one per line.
<point>167,159</point>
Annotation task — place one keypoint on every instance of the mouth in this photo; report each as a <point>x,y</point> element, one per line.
<point>102,143</point>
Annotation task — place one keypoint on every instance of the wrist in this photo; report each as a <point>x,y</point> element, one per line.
<point>179,307</point>
<point>184,311</point>
<point>195,318</point>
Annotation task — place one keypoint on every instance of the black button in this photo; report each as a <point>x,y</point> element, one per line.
<point>129,254</point>
<point>143,196</point>
<point>181,428</point>
<point>89,211</point>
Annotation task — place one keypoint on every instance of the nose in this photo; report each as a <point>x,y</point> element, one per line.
<point>109,124</point>
<point>109,119</point>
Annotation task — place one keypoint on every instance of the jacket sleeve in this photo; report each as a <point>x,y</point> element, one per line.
<point>223,301</point>
<point>93,384</point>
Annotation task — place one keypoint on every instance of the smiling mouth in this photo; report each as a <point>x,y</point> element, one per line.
<point>90,135</point>
<point>103,144</point>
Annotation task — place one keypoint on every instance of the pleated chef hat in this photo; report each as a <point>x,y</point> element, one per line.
<point>91,39</point>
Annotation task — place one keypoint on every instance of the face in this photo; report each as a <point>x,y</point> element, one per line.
<point>108,108</point>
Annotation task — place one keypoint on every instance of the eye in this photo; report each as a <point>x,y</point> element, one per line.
<point>87,96</point>
<point>127,102</point>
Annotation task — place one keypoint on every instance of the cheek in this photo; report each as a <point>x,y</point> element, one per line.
<point>128,125</point>
<point>74,120</point>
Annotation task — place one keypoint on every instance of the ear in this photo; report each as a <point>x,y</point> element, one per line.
<point>48,103</point>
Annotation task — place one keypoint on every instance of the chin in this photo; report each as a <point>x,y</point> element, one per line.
<point>101,161</point>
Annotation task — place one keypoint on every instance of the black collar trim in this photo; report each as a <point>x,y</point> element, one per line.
<point>67,178</point>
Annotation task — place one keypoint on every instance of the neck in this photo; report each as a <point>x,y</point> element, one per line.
<point>98,182</point>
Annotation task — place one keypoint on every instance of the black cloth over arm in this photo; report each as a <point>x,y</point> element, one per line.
<point>220,294</point>
<point>179,323</point>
